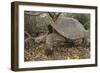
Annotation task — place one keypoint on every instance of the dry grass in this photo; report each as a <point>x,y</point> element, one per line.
<point>62,53</point>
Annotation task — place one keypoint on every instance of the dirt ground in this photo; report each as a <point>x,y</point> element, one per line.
<point>63,53</point>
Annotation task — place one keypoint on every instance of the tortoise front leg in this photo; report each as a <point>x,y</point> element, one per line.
<point>49,45</point>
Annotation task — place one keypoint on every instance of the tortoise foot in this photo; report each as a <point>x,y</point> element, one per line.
<point>48,52</point>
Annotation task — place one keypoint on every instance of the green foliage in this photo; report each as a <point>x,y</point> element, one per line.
<point>42,23</point>
<point>36,24</point>
<point>30,24</point>
<point>82,18</point>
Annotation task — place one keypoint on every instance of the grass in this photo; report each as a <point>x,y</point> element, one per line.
<point>60,53</point>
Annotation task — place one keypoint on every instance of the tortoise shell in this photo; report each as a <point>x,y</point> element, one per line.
<point>69,28</point>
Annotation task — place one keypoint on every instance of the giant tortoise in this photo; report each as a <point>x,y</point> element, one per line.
<point>64,28</point>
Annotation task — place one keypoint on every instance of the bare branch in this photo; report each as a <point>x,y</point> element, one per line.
<point>54,16</point>
<point>58,15</point>
<point>27,34</point>
<point>51,15</point>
